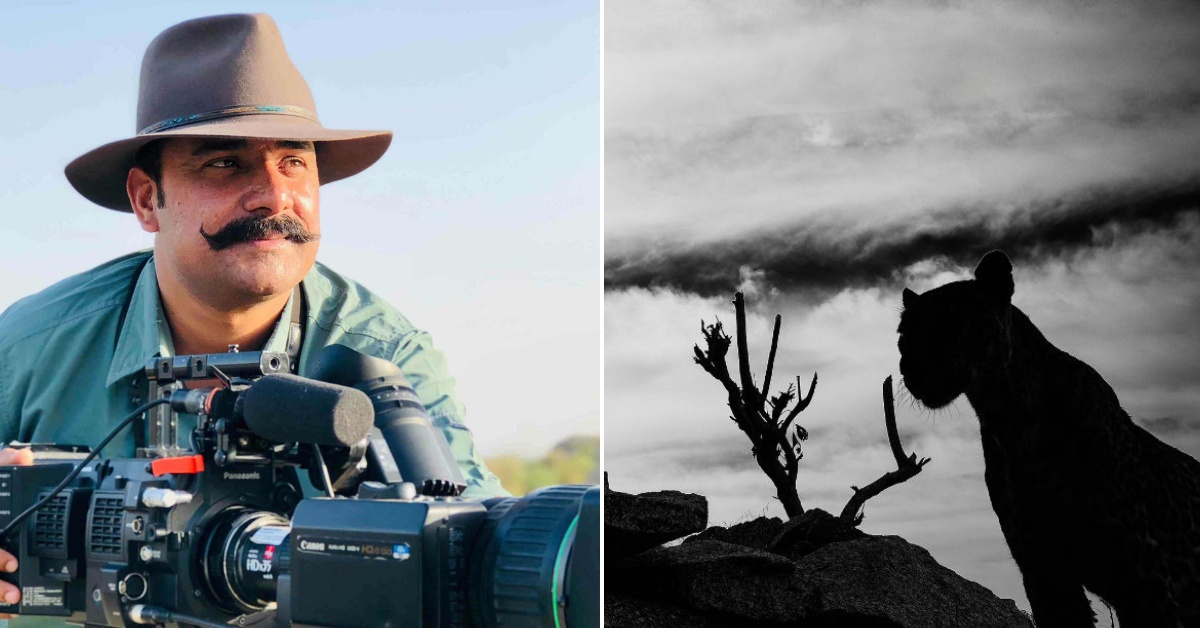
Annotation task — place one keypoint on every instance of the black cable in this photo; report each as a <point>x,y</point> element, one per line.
<point>79,467</point>
<point>324,470</point>
<point>160,615</point>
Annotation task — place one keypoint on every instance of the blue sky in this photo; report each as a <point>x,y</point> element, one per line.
<point>482,223</point>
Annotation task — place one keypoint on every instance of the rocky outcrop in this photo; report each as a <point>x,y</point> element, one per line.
<point>811,571</point>
<point>634,523</point>
<point>757,533</point>
<point>723,578</point>
<point>888,578</point>
<point>811,531</point>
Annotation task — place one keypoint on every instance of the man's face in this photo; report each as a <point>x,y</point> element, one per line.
<point>240,222</point>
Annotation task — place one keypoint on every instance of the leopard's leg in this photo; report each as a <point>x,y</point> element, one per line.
<point>1056,598</point>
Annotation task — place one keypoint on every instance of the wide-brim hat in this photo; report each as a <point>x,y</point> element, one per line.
<point>227,76</point>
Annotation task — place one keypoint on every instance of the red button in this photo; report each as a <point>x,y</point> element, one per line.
<point>181,465</point>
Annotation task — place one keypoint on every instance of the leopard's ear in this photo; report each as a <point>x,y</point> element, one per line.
<point>994,276</point>
<point>909,297</point>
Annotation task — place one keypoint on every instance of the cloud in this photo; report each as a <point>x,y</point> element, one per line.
<point>833,255</point>
<point>833,141</point>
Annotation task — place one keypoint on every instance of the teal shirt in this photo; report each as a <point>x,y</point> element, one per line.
<point>72,355</point>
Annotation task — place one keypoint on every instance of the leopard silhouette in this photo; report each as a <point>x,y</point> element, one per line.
<point>1085,497</point>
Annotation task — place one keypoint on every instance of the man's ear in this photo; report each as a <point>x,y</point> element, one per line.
<point>143,197</point>
<point>994,277</point>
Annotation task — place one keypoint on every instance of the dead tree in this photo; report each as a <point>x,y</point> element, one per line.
<point>775,445</point>
<point>775,438</point>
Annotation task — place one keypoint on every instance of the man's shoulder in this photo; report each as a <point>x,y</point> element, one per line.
<point>100,291</point>
<point>342,305</point>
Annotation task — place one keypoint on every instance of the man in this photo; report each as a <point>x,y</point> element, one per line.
<point>225,171</point>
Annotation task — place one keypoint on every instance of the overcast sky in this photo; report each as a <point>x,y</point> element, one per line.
<point>482,223</point>
<point>822,156</point>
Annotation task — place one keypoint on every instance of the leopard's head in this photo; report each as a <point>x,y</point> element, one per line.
<point>951,333</point>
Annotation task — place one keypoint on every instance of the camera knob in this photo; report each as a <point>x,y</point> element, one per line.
<point>378,490</point>
<point>164,497</point>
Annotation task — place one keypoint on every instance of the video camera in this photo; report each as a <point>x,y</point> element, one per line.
<point>221,534</point>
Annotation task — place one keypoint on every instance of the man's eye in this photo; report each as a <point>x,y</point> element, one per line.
<point>224,162</point>
<point>295,162</point>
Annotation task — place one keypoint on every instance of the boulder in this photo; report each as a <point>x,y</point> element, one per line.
<point>627,611</point>
<point>714,576</point>
<point>622,610</point>
<point>866,581</point>
<point>890,579</point>
<point>758,533</point>
<point>635,523</point>
<point>809,532</point>
<point>814,571</point>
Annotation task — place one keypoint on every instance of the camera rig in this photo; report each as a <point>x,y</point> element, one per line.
<point>220,532</point>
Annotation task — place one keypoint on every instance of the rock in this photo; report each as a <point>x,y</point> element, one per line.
<point>715,576</point>
<point>809,532</point>
<point>868,581</point>
<point>814,571</point>
<point>890,579</point>
<point>758,533</point>
<point>635,523</point>
<point>626,611</point>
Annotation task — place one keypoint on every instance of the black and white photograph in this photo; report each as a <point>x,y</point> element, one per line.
<point>900,313</point>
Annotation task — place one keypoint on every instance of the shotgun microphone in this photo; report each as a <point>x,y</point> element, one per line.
<point>288,409</point>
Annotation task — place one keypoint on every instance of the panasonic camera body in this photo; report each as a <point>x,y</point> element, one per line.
<point>221,533</point>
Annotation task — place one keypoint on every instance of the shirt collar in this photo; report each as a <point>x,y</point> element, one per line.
<point>145,333</point>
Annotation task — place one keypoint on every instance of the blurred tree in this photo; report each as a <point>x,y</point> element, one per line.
<point>575,460</point>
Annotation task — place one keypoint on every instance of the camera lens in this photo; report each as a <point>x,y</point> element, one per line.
<point>245,553</point>
<point>521,570</point>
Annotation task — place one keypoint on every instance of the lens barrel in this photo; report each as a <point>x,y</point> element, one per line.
<point>519,570</point>
<point>246,552</point>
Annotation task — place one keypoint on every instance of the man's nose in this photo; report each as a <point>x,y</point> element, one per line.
<point>272,191</point>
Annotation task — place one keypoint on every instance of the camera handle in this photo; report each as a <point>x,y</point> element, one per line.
<point>159,438</point>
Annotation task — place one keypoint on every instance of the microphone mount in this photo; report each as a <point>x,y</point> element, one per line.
<point>165,378</point>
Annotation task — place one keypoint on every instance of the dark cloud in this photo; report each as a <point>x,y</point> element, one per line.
<point>832,254</point>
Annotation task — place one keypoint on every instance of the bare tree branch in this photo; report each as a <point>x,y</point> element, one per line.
<point>766,387</point>
<point>889,421</point>
<point>907,466</point>
<point>749,393</point>
<point>801,405</point>
<point>780,403</point>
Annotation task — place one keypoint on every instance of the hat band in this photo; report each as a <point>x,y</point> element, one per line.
<point>240,110</point>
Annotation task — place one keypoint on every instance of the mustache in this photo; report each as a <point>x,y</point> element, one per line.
<point>253,227</point>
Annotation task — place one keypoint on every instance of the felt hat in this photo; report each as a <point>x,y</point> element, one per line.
<point>226,76</point>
